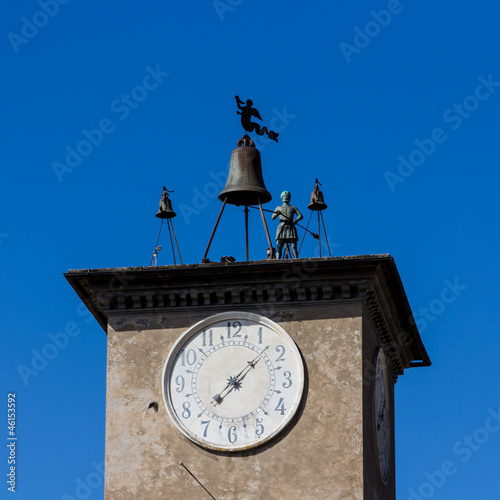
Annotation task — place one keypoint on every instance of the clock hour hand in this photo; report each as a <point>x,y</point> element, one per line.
<point>232,384</point>
<point>235,382</point>
<point>218,398</point>
<point>381,414</point>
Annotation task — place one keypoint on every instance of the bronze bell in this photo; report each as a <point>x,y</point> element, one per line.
<point>245,184</point>
<point>317,201</point>
<point>165,210</point>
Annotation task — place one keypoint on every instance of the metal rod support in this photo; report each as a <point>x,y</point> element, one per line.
<point>246,231</point>
<point>267,231</point>
<point>326,236</point>
<point>213,232</point>
<point>319,234</point>
<point>171,241</point>
<point>177,244</point>
<point>304,237</point>
<point>153,259</point>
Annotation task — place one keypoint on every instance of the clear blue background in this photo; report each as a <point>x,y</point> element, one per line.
<point>348,119</point>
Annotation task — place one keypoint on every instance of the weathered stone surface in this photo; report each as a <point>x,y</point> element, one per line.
<point>338,311</point>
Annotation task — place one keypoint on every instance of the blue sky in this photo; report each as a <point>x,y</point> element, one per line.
<point>393,105</point>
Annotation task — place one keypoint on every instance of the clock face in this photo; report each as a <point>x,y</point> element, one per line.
<point>233,381</point>
<point>382,427</point>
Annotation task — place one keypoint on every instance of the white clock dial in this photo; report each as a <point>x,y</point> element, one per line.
<point>381,414</point>
<point>233,381</point>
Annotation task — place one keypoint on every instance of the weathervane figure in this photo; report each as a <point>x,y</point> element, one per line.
<point>247,112</point>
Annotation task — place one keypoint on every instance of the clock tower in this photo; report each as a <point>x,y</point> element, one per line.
<point>253,380</point>
<point>249,380</point>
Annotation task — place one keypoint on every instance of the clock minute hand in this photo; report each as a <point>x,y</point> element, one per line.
<point>381,414</point>
<point>218,398</point>
<point>251,365</point>
<point>235,382</point>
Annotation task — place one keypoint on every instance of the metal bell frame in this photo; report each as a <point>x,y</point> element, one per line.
<point>165,212</point>
<point>244,187</point>
<point>317,204</point>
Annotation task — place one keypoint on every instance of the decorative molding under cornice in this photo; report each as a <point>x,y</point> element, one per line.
<point>386,339</point>
<point>216,295</point>
<point>370,280</point>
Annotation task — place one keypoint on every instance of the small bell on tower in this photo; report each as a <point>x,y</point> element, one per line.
<point>318,204</point>
<point>165,210</point>
<point>317,201</point>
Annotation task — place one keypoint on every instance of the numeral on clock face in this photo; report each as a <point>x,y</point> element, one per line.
<point>209,336</point>
<point>233,381</point>
<point>189,358</point>
<point>235,328</point>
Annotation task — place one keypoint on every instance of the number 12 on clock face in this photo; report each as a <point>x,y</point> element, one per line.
<point>233,381</point>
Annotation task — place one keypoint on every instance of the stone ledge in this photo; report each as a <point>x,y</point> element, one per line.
<point>370,280</point>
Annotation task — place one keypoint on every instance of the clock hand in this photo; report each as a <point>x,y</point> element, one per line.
<point>218,398</point>
<point>382,411</point>
<point>243,373</point>
<point>381,414</point>
<point>235,382</point>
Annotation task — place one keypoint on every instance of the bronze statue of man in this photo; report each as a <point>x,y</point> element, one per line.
<point>286,231</point>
